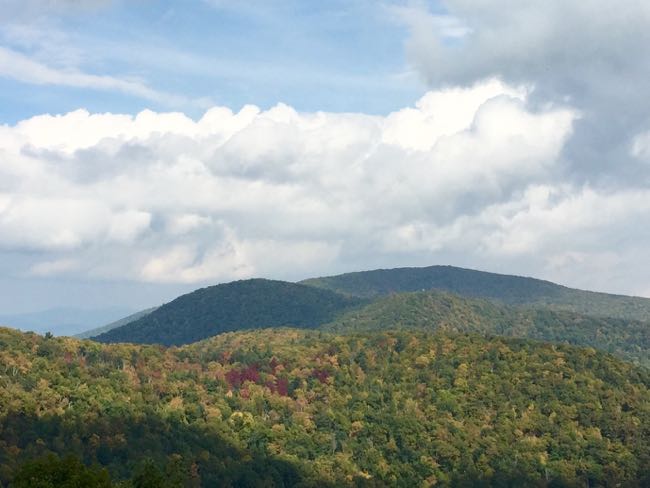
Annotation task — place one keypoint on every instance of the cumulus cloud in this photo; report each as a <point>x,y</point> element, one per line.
<point>467,175</point>
<point>591,54</point>
<point>159,197</point>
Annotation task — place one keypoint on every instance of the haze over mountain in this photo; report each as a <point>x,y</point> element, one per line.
<point>62,321</point>
<point>87,334</point>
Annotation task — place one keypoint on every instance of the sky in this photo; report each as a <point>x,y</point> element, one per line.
<point>149,148</point>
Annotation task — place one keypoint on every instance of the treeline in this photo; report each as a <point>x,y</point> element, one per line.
<point>507,289</point>
<point>286,407</point>
<point>434,310</point>
<point>245,304</point>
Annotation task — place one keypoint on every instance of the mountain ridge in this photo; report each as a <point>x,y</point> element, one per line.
<point>526,309</point>
<point>509,289</point>
<point>439,310</point>
<point>241,304</point>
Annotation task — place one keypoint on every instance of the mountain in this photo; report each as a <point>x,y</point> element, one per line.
<point>114,325</point>
<point>435,310</point>
<point>288,407</point>
<point>62,321</point>
<point>513,290</point>
<point>246,304</point>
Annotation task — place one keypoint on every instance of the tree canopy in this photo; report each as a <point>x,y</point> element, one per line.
<point>287,407</point>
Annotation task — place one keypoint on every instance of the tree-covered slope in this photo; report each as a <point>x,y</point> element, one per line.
<point>246,304</point>
<point>435,310</point>
<point>287,407</point>
<point>514,290</point>
<point>114,325</point>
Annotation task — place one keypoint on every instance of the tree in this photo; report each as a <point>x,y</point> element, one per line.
<point>55,472</point>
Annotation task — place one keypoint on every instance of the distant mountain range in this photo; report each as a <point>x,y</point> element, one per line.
<point>453,299</point>
<point>114,325</point>
<point>62,321</point>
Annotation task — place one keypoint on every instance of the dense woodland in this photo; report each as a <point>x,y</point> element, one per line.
<point>245,304</point>
<point>253,304</point>
<point>628,339</point>
<point>287,407</point>
<point>383,380</point>
<point>512,290</point>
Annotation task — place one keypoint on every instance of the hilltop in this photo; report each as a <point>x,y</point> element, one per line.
<point>435,310</point>
<point>527,308</point>
<point>508,289</point>
<point>245,304</point>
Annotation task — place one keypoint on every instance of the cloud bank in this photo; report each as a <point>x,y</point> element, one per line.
<point>466,174</point>
<point>591,54</point>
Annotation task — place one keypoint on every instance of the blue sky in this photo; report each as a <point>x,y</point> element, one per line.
<point>332,56</point>
<point>150,147</point>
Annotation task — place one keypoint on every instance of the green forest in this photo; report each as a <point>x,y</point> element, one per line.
<point>628,339</point>
<point>253,304</point>
<point>288,407</point>
<point>245,304</point>
<point>409,377</point>
<point>508,289</point>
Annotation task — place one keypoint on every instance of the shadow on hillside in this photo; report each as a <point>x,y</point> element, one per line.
<point>195,456</point>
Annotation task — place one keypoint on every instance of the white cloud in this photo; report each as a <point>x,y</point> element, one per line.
<point>587,53</point>
<point>442,113</point>
<point>20,67</point>
<point>468,175</point>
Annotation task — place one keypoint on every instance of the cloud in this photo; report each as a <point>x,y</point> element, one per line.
<point>159,197</point>
<point>473,176</point>
<point>590,54</point>
<point>17,66</point>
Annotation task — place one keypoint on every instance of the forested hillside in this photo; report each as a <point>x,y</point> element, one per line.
<point>114,325</point>
<point>306,408</point>
<point>434,310</point>
<point>254,304</point>
<point>246,304</point>
<point>514,290</point>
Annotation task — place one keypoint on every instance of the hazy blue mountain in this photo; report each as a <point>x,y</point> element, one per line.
<point>63,321</point>
<point>115,324</point>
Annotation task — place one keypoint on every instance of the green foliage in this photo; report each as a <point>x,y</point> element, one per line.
<point>53,472</point>
<point>287,407</point>
<point>513,290</point>
<point>247,304</point>
<point>628,339</point>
